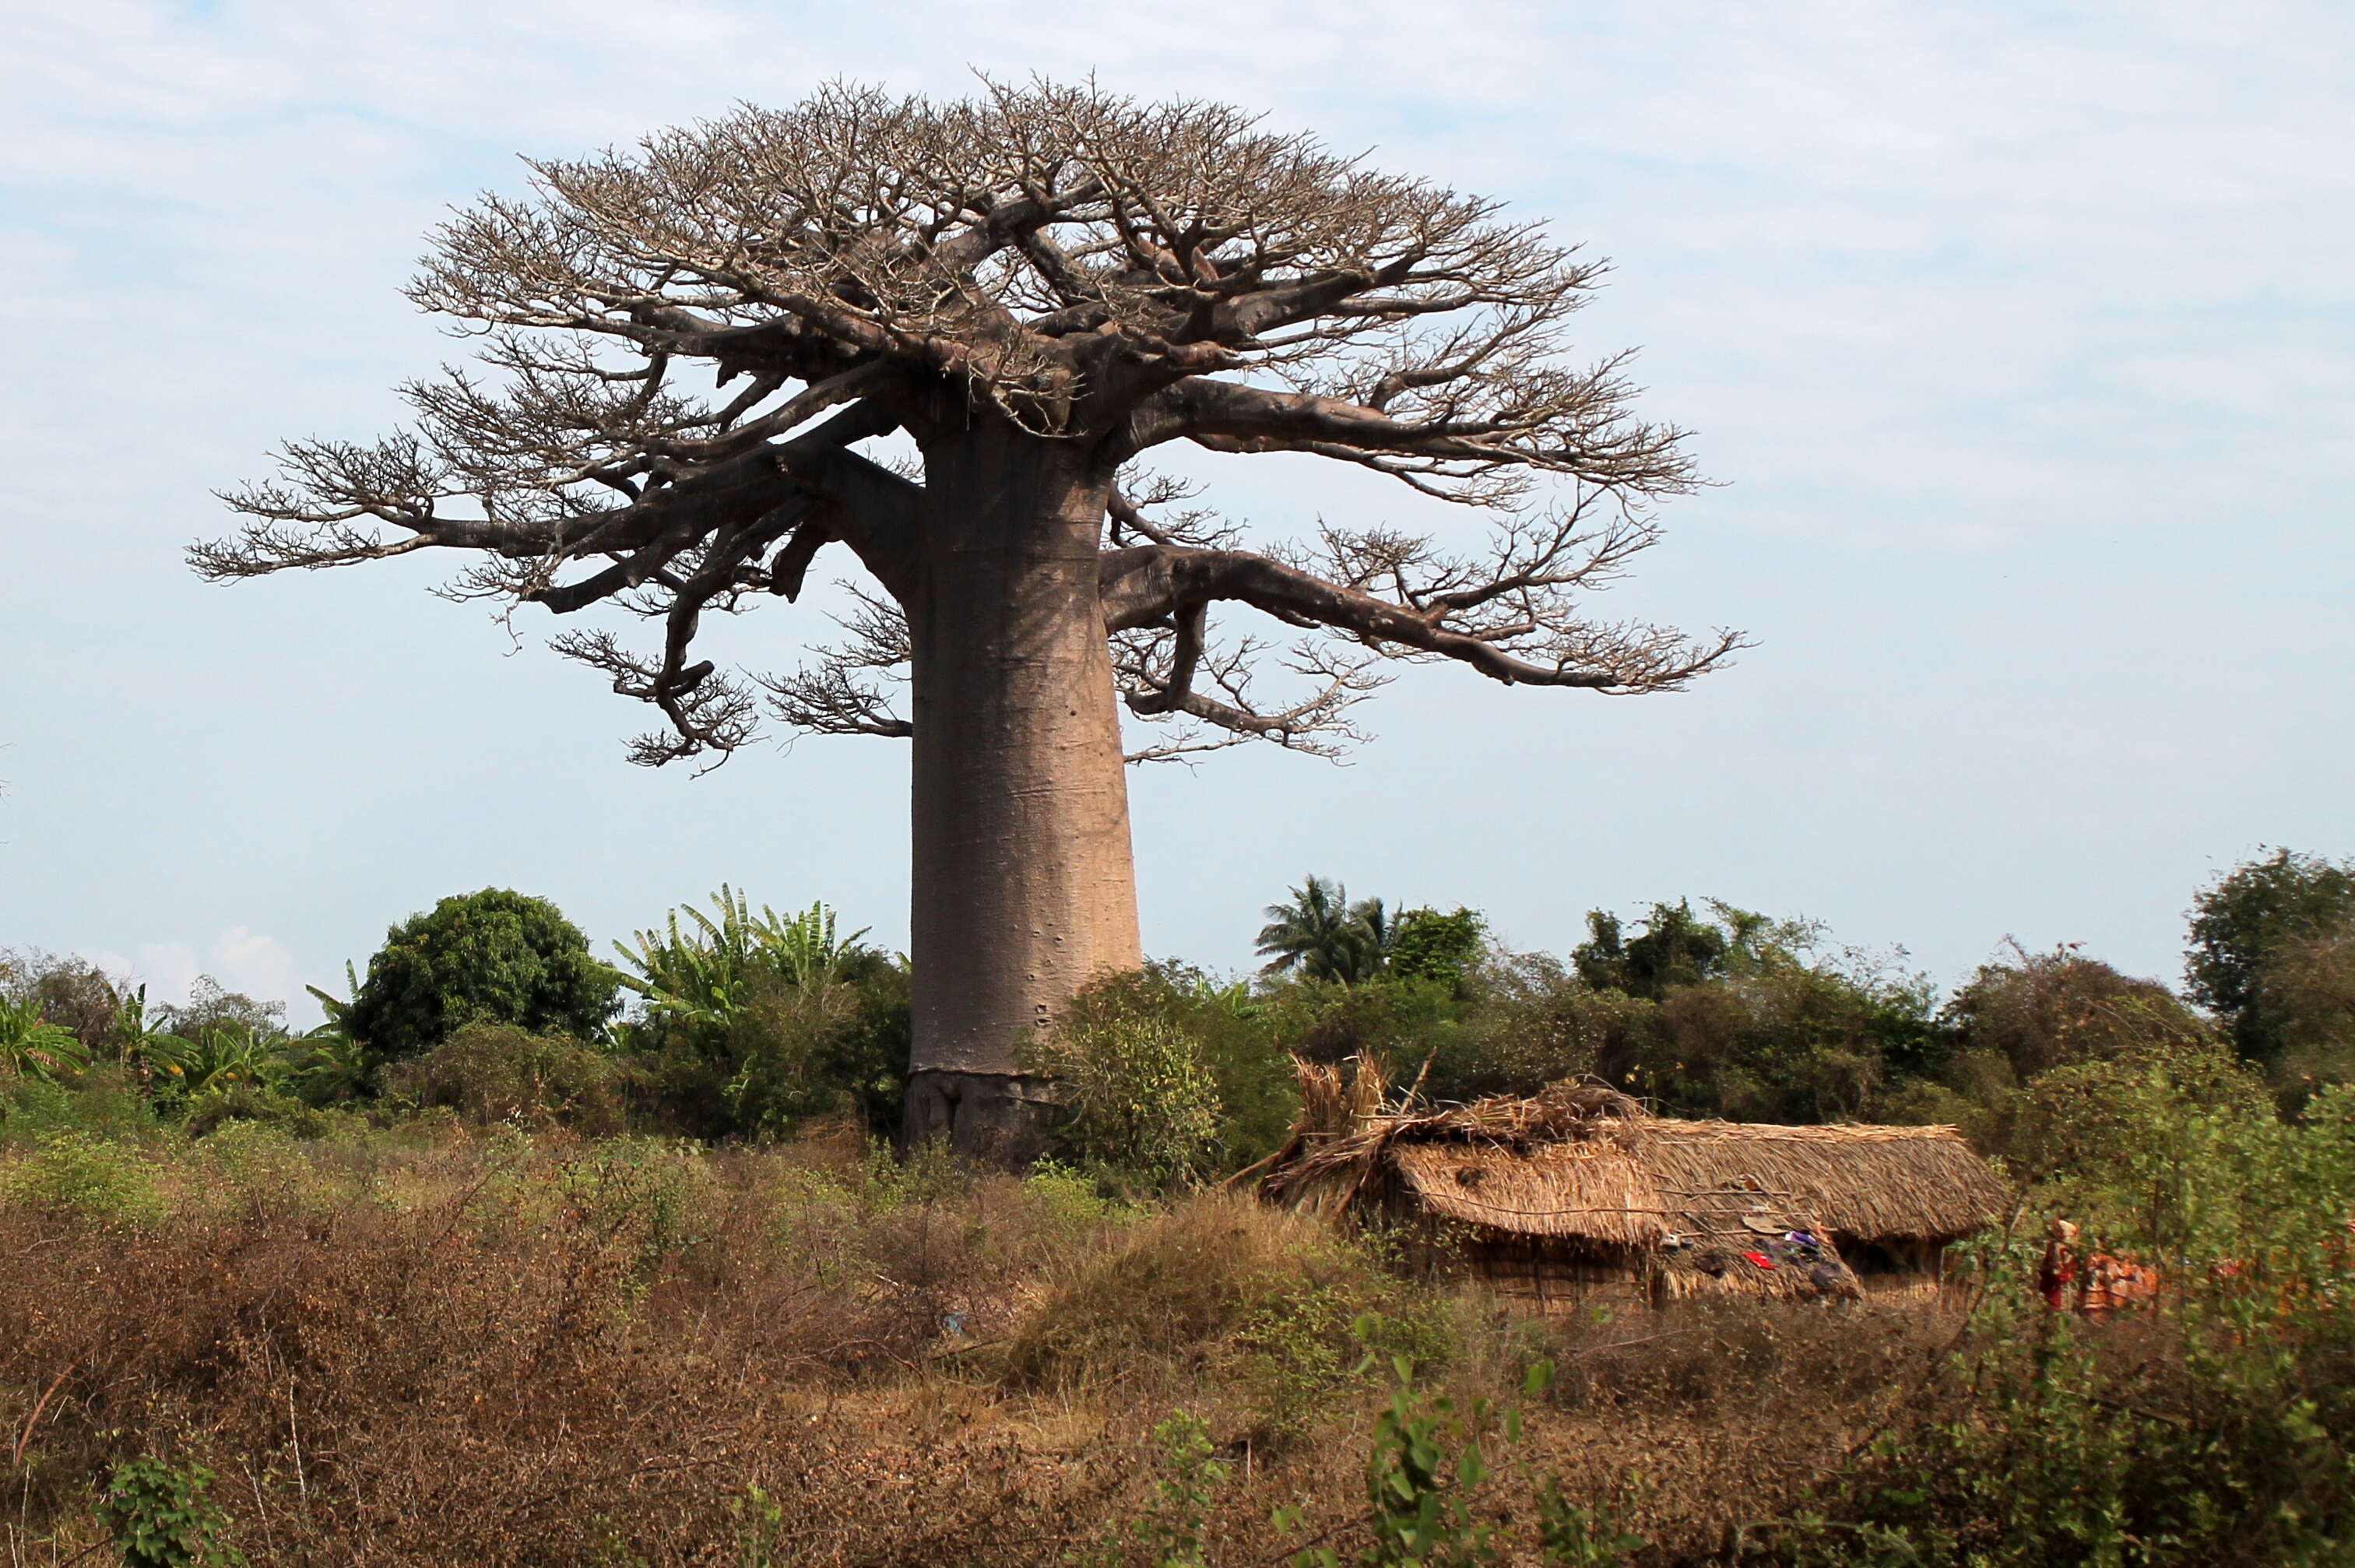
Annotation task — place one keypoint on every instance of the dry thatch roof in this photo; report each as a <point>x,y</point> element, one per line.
<point>1582,1161</point>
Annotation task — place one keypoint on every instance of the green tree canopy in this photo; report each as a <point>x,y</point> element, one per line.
<point>2244,920</point>
<point>495,956</point>
<point>1429,945</point>
<point>2308,984</point>
<point>2038,1012</point>
<point>1677,947</point>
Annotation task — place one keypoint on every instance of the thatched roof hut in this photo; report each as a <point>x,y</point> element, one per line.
<point>1583,1186</point>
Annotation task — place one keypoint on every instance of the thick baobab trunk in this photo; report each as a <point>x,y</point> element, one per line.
<point>1024,889</point>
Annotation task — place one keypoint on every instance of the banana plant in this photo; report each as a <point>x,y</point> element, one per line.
<point>148,1050</point>
<point>326,1066</point>
<point>808,954</point>
<point>329,1063</point>
<point>31,1047</point>
<point>218,1056</point>
<point>704,974</point>
<point>338,1008</point>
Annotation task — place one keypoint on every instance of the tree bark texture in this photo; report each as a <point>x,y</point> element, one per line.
<point>1024,885</point>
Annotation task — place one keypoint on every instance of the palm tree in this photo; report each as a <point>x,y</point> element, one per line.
<point>1324,936</point>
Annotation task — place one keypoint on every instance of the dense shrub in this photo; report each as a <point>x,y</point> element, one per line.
<point>1134,1096</point>
<point>2219,1430</point>
<point>211,1009</point>
<point>1283,1310</point>
<point>1783,1041</point>
<point>257,1104</point>
<point>2307,983</point>
<point>497,1072</point>
<point>1674,948</point>
<point>2080,1124</point>
<point>478,1336</point>
<point>74,994</point>
<point>495,956</point>
<point>1163,1075</point>
<point>82,1176</point>
<point>2043,1010</point>
<point>1399,1023</point>
<point>514,1351</point>
<point>750,1025</point>
<point>102,1101</point>
<point>784,1056</point>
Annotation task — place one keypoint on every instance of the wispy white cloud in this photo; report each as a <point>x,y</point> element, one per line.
<point>237,959</point>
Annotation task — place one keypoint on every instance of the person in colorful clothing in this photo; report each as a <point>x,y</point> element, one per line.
<point>2059,1269</point>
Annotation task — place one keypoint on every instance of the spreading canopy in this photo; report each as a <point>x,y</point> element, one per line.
<point>682,347</point>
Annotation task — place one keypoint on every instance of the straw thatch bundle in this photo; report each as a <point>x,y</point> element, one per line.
<point>1582,1161</point>
<point>1872,1183</point>
<point>1593,1190</point>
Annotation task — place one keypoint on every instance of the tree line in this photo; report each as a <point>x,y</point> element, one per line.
<point>733,1022</point>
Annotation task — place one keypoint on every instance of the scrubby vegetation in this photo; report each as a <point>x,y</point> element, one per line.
<point>568,1287</point>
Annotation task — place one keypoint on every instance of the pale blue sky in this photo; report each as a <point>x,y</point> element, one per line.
<point>2018,337</point>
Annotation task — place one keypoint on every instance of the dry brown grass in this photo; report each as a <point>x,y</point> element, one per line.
<point>1167,1293</point>
<point>493,1349</point>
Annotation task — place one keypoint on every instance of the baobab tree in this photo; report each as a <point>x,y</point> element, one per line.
<point>691,354</point>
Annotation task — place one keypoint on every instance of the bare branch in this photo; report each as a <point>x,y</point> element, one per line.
<point>1161,674</point>
<point>1560,423</point>
<point>708,711</point>
<point>839,694</point>
<point>1516,618</point>
<point>1100,273</point>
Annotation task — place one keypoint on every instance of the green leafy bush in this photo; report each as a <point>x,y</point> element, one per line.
<point>1173,1530</point>
<point>258,1105</point>
<point>1278,1304</point>
<point>89,1177</point>
<point>1676,948</point>
<point>1309,1335</point>
<point>653,1196</point>
<point>1239,1036</point>
<point>2215,1427</point>
<point>1535,1022</point>
<point>2308,984</point>
<point>1136,1097</point>
<point>250,1167</point>
<point>100,1101</point>
<point>161,1516</point>
<point>495,956</point>
<point>1397,1022</point>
